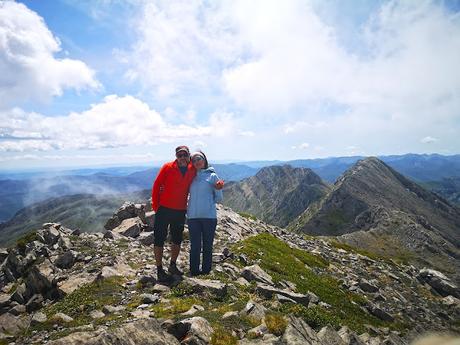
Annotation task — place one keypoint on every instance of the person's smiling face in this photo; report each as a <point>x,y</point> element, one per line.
<point>198,162</point>
<point>183,158</point>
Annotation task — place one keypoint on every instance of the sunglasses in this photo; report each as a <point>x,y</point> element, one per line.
<point>182,155</point>
<point>197,159</point>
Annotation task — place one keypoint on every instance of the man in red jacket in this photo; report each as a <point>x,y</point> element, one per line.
<point>169,201</point>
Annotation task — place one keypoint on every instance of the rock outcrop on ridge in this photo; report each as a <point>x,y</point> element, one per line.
<point>375,208</point>
<point>268,286</point>
<point>276,194</point>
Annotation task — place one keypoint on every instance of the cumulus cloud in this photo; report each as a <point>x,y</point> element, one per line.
<point>246,133</point>
<point>302,146</point>
<point>28,68</point>
<point>180,46</point>
<point>299,126</point>
<point>115,122</point>
<point>428,140</point>
<point>273,59</point>
<point>407,62</point>
<point>86,157</point>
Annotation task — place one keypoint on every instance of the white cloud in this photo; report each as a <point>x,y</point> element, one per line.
<point>116,122</point>
<point>188,117</point>
<point>246,133</point>
<point>199,145</point>
<point>302,146</point>
<point>410,60</point>
<point>180,46</point>
<point>299,126</point>
<point>222,123</point>
<point>28,68</point>
<point>428,140</point>
<point>96,158</point>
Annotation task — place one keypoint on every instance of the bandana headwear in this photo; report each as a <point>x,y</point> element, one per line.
<point>194,154</point>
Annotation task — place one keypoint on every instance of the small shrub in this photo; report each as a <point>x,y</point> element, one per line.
<point>174,307</point>
<point>182,290</point>
<point>27,238</point>
<point>223,337</point>
<point>316,317</point>
<point>276,323</point>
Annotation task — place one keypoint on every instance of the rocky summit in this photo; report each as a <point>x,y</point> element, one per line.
<point>268,286</point>
<point>276,194</point>
<point>376,208</point>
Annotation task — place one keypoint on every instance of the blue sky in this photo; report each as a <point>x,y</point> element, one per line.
<point>87,83</point>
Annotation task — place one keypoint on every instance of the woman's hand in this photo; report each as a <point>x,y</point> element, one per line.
<point>219,184</point>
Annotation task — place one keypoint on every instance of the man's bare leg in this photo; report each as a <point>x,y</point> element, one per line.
<point>158,251</point>
<point>175,250</point>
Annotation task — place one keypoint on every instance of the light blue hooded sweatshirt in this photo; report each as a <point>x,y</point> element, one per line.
<point>203,195</point>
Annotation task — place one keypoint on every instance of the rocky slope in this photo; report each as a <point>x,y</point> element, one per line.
<point>376,208</point>
<point>268,286</point>
<point>276,194</point>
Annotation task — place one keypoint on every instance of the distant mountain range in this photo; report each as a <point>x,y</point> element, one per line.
<point>87,212</point>
<point>276,194</point>
<point>374,207</point>
<point>432,167</point>
<point>438,173</point>
<point>16,194</point>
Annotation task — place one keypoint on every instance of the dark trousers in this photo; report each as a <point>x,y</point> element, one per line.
<point>201,231</point>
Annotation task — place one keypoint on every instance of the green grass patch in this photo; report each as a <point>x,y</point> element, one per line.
<point>223,337</point>
<point>285,263</point>
<point>174,307</point>
<point>397,257</point>
<point>182,290</point>
<point>123,243</point>
<point>316,316</point>
<point>87,298</point>
<point>276,323</point>
<point>265,246</point>
<point>79,304</point>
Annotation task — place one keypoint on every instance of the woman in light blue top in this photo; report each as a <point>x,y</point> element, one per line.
<point>205,192</point>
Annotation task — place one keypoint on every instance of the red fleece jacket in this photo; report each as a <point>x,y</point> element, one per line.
<point>171,188</point>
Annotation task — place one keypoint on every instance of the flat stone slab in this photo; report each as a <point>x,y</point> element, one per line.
<point>203,285</point>
<point>255,273</point>
<point>268,291</point>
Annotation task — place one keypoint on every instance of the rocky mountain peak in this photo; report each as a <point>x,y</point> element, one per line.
<point>273,173</point>
<point>371,203</point>
<point>268,286</point>
<point>276,194</point>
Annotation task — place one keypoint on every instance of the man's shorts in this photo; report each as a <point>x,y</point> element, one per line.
<point>165,217</point>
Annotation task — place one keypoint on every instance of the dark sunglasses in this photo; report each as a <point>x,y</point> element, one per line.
<point>197,159</point>
<point>182,155</point>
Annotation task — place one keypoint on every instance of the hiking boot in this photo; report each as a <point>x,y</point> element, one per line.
<point>172,269</point>
<point>162,276</point>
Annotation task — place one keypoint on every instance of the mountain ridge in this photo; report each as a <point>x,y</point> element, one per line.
<point>276,194</point>
<point>372,201</point>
